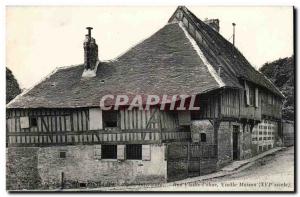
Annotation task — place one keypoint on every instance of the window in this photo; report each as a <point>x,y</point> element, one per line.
<point>62,154</point>
<point>33,122</point>
<point>110,118</point>
<point>134,151</point>
<point>203,137</point>
<point>109,151</point>
<point>251,95</point>
<point>260,148</point>
<point>82,184</point>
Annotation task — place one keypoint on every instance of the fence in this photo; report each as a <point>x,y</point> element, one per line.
<point>190,159</point>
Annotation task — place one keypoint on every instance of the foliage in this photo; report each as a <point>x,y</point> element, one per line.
<point>12,86</point>
<point>281,73</point>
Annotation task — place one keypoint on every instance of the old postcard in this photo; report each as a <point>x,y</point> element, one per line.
<point>143,99</point>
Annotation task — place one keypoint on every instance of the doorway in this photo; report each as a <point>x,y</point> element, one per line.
<point>235,142</point>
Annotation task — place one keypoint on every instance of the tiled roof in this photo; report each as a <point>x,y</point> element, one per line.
<point>219,51</point>
<point>165,63</point>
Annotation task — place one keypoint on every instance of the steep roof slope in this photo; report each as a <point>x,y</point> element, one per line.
<point>165,63</point>
<point>169,62</point>
<point>221,52</point>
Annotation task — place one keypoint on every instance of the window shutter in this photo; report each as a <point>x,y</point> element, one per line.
<point>24,122</point>
<point>97,151</point>
<point>146,153</point>
<point>247,94</point>
<point>256,97</point>
<point>95,119</point>
<point>121,152</point>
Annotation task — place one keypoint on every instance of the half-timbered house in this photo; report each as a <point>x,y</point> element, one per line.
<point>69,140</point>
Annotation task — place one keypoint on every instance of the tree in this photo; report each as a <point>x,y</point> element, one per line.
<point>281,73</point>
<point>12,86</point>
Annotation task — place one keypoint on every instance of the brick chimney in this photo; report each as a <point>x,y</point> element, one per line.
<point>213,23</point>
<point>91,59</point>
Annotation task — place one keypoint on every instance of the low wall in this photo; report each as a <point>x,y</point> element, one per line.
<point>288,133</point>
<point>189,160</point>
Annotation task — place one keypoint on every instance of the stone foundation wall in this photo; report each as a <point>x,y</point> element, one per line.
<point>81,168</point>
<point>245,142</point>
<point>224,144</point>
<point>202,126</point>
<point>42,168</point>
<point>21,168</point>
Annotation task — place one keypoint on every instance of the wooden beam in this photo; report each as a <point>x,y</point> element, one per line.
<point>45,125</point>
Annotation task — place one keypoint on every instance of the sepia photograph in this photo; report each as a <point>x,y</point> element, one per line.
<point>150,99</point>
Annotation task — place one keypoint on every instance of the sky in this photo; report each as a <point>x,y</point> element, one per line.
<point>39,39</point>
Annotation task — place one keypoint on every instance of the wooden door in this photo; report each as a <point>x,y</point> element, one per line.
<point>235,143</point>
